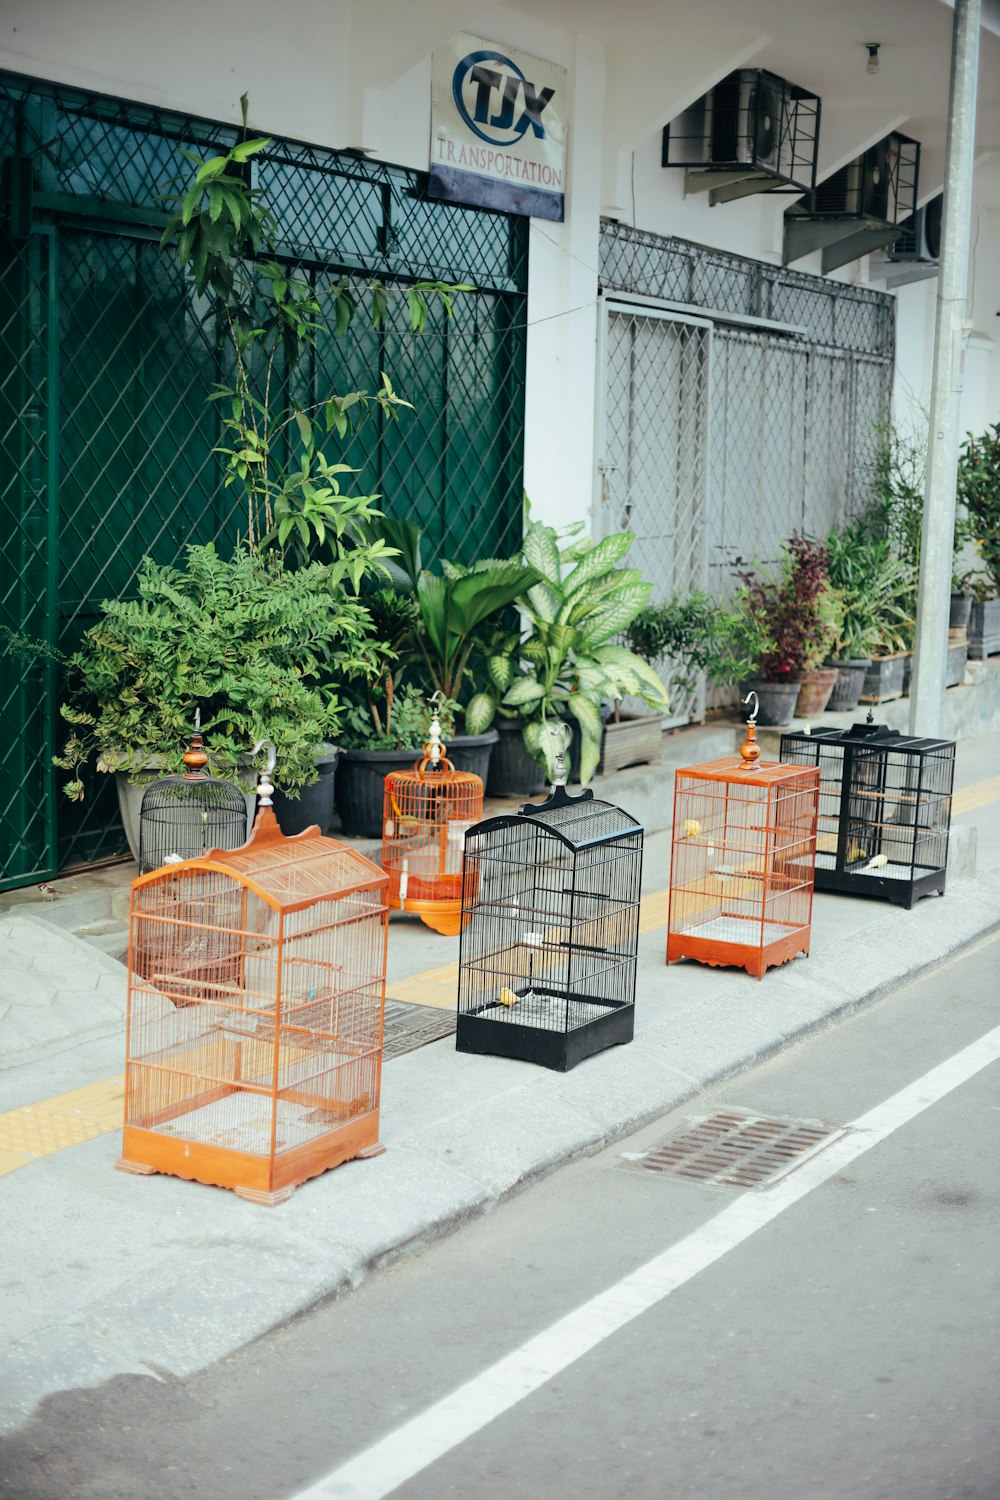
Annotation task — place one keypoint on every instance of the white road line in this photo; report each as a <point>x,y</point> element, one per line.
<point>387,1464</point>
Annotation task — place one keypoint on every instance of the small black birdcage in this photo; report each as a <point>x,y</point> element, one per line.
<point>550,927</point>
<point>884,809</point>
<point>183,816</point>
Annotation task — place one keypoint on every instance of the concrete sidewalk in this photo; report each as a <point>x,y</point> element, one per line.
<point>105,1274</point>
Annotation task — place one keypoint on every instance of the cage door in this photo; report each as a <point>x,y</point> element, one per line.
<point>652,460</point>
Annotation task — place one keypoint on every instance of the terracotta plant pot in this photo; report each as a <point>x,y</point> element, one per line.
<point>814,691</point>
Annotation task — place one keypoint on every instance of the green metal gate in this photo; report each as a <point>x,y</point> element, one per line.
<point>106,360</point>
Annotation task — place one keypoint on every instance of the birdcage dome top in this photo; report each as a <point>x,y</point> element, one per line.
<point>288,873</point>
<point>578,822</point>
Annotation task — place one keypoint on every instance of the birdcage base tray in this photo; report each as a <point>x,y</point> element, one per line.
<point>593,1027</point>
<point>441,916</point>
<point>757,953</point>
<point>896,884</point>
<point>245,1172</point>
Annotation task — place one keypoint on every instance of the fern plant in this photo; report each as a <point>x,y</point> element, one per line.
<point>255,648</point>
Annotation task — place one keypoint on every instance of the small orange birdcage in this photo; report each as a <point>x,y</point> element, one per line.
<point>254,1040</point>
<point>426,814</point>
<point>743,861</point>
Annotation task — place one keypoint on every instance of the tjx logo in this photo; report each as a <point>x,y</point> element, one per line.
<point>495,99</point>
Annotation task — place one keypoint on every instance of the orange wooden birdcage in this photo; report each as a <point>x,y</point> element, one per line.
<point>426,814</point>
<point>743,861</point>
<point>255,1009</point>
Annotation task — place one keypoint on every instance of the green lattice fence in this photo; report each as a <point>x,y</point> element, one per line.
<point>106,359</point>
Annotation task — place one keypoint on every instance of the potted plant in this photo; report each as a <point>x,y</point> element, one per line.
<point>979,491</point>
<point>873,589</point>
<point>792,612</point>
<point>241,640</point>
<point>454,608</point>
<point>569,665</point>
<point>384,724</point>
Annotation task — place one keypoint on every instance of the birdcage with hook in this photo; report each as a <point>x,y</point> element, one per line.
<point>186,815</point>
<point>426,814</point>
<point>884,809</point>
<point>551,923</point>
<point>742,859</point>
<point>255,1013</point>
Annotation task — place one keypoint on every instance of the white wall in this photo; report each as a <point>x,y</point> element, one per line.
<point>194,55</point>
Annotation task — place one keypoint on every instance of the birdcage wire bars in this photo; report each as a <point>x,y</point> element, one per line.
<point>426,815</point>
<point>181,817</point>
<point>551,921</point>
<point>186,816</point>
<point>884,809</point>
<point>742,862</point>
<point>254,1032</point>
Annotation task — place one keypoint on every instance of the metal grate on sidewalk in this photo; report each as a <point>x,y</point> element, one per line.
<point>408,1027</point>
<point>734,1148</point>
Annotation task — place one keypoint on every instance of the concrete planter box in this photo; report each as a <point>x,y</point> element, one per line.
<point>884,678</point>
<point>984,629</point>
<point>953,673</point>
<point>636,739</point>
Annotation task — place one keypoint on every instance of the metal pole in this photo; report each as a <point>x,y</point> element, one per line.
<point>934,589</point>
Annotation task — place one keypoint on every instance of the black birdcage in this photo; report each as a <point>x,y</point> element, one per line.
<point>183,816</point>
<point>550,927</point>
<point>884,809</point>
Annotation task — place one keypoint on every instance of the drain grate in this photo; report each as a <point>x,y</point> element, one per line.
<point>735,1148</point>
<point>408,1027</point>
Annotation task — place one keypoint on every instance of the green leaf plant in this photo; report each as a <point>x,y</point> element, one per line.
<point>570,662</point>
<point>252,646</point>
<point>225,239</point>
<point>453,608</point>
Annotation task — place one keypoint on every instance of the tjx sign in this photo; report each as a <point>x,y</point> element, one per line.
<point>498,129</point>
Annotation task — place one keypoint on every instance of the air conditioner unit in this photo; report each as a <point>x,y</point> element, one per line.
<point>920,239</point>
<point>879,185</point>
<point>752,122</point>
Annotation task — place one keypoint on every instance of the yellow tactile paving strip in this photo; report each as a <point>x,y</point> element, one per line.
<point>976,795</point>
<point>39,1130</point>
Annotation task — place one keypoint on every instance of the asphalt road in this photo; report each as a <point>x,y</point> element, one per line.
<point>845,1346</point>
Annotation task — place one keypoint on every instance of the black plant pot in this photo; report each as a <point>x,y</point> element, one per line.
<point>513,772</point>
<point>313,807</point>
<point>473,752</point>
<point>961,609</point>
<point>360,787</point>
<point>850,680</point>
<point>776,701</point>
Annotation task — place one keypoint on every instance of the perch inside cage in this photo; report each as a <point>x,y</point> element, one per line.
<point>884,809</point>
<point>184,816</point>
<point>254,1034</point>
<point>551,924</point>
<point>742,861</point>
<point>426,815</point>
